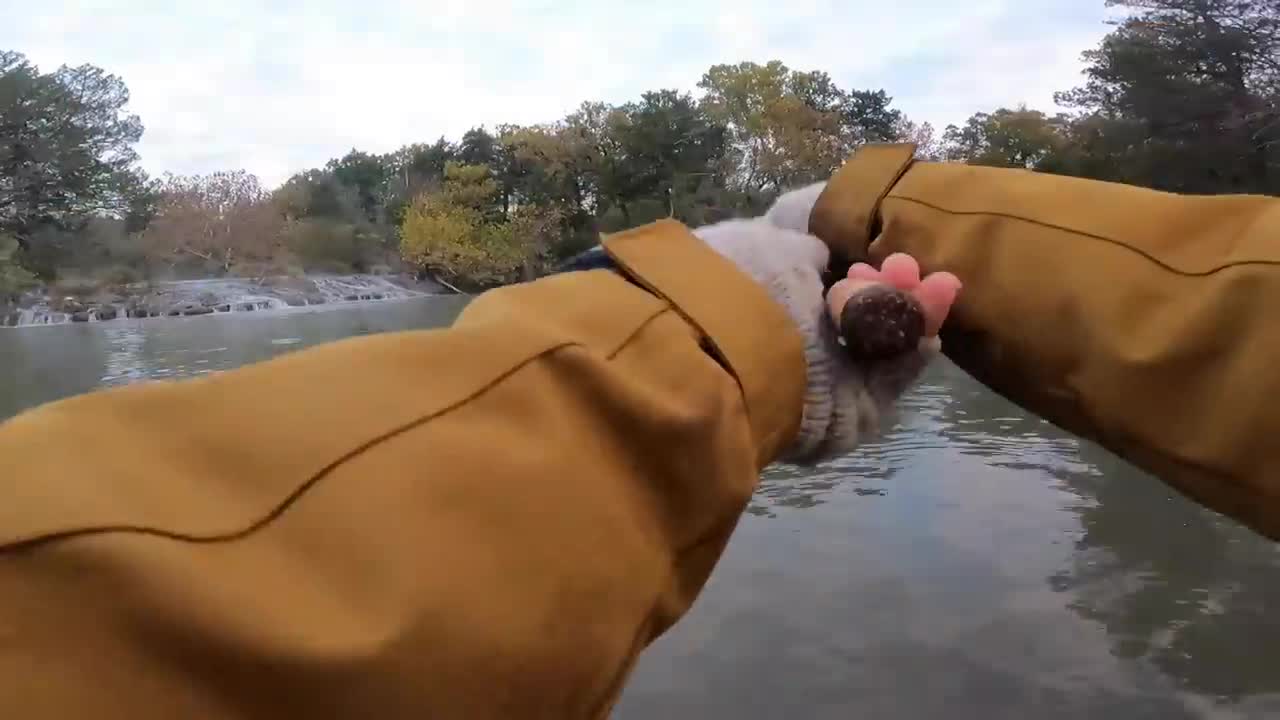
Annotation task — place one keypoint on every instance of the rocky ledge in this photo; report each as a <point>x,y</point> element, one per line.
<point>208,297</point>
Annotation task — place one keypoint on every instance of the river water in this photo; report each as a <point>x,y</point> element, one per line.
<point>976,563</point>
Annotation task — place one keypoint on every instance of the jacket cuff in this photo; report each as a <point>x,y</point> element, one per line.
<point>748,331</point>
<point>846,215</point>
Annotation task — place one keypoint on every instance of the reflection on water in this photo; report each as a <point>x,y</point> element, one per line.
<point>38,364</point>
<point>974,563</point>
<point>1195,594</point>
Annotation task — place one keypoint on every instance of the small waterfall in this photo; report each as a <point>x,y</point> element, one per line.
<point>249,303</point>
<point>221,295</point>
<point>41,315</point>
<point>352,288</point>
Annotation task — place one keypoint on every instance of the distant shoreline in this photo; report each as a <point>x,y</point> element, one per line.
<point>210,296</point>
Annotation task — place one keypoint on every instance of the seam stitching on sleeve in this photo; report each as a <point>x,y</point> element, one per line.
<point>279,509</point>
<point>1082,233</point>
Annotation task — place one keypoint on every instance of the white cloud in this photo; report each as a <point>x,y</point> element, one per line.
<point>231,84</point>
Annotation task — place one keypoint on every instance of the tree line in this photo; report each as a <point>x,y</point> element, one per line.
<point>1181,95</point>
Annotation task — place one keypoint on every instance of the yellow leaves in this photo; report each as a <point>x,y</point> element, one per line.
<point>469,186</point>
<point>785,125</point>
<point>735,94</point>
<point>802,143</point>
<point>447,232</point>
<point>558,151</point>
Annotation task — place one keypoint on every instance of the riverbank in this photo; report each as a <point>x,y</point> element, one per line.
<point>46,306</point>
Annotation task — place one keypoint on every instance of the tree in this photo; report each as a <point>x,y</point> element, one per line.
<point>867,117</point>
<point>1113,149</point>
<point>1188,92</point>
<point>741,98</point>
<point>928,144</point>
<point>1020,138</point>
<point>415,169</point>
<point>321,244</point>
<point>319,194</point>
<point>140,193</point>
<point>326,226</point>
<point>668,149</point>
<point>367,176</point>
<point>803,145</point>
<point>478,147</point>
<point>787,128</point>
<point>66,147</point>
<point>452,234</point>
<point>13,279</point>
<point>223,222</point>
<point>598,134</point>
<point>573,163</point>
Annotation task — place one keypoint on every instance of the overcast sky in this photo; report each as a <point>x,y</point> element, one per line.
<point>277,86</point>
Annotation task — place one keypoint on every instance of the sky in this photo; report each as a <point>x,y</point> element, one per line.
<point>279,86</point>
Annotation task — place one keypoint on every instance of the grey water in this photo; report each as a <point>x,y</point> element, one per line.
<point>975,563</point>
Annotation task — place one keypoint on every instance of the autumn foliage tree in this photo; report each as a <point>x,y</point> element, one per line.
<point>458,233</point>
<point>1181,95</point>
<point>1019,138</point>
<point>218,223</point>
<point>788,127</point>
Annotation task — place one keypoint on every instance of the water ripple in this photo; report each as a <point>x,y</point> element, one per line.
<point>934,422</point>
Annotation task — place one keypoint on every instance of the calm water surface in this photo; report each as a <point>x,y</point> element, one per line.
<point>977,563</point>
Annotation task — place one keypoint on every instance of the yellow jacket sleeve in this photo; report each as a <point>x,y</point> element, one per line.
<point>1140,319</point>
<point>488,521</point>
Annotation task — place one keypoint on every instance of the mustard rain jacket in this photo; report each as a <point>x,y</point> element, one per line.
<point>493,520</point>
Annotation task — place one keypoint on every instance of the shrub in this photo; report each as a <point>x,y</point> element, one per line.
<point>456,244</point>
<point>325,244</point>
<point>14,279</point>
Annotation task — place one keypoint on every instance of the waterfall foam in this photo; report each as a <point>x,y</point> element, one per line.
<point>220,295</point>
